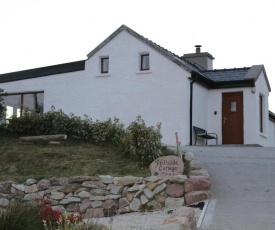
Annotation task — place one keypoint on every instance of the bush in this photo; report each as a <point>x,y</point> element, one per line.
<point>20,216</point>
<point>108,132</point>
<point>142,142</point>
<point>57,122</point>
<point>2,107</point>
<point>138,140</point>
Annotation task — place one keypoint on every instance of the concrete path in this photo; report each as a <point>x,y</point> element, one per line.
<point>243,187</point>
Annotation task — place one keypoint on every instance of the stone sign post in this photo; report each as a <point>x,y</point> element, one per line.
<point>167,166</point>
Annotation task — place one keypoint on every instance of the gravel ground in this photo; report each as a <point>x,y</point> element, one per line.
<point>139,220</point>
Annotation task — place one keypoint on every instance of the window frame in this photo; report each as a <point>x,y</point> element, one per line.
<point>21,95</point>
<point>261,113</point>
<point>102,66</point>
<point>143,66</point>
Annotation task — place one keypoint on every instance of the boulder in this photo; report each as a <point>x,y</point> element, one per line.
<point>160,188</point>
<point>78,179</point>
<point>174,202</point>
<point>197,196</point>
<point>175,190</point>
<point>43,184</point>
<point>135,205</point>
<point>197,184</point>
<point>127,180</point>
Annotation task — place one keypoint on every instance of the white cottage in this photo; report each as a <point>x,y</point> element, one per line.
<point>127,75</point>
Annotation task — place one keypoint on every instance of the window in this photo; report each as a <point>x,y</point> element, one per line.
<point>144,62</point>
<point>105,65</point>
<point>261,112</point>
<point>17,104</point>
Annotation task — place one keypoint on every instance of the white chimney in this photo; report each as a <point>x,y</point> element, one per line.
<point>204,59</point>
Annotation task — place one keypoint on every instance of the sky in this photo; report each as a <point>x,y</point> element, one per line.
<point>38,33</point>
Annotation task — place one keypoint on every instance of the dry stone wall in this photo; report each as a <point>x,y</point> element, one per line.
<point>106,195</point>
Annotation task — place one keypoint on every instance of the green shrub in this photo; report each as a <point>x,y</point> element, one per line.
<point>2,107</point>
<point>142,142</point>
<point>53,122</point>
<point>138,140</point>
<point>108,132</point>
<point>57,122</point>
<point>20,216</point>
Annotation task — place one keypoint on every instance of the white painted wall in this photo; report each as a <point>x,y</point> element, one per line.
<point>252,134</point>
<point>215,121</point>
<point>158,95</point>
<point>266,138</point>
<point>200,115</point>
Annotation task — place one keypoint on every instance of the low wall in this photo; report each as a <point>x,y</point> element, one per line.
<point>106,195</point>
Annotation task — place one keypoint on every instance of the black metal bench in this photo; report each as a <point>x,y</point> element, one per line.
<point>202,133</point>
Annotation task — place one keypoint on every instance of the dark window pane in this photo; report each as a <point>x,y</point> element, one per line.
<point>104,65</point>
<point>145,64</point>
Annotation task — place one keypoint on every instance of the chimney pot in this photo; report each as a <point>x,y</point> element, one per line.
<point>198,48</point>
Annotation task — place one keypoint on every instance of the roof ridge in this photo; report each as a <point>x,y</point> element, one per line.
<point>170,55</point>
<point>226,69</point>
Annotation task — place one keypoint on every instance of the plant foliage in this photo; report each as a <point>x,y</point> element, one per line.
<point>57,122</point>
<point>142,142</point>
<point>137,140</point>
<point>2,107</point>
<point>20,216</point>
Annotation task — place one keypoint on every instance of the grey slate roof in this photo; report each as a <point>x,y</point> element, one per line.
<point>236,74</point>
<point>43,71</point>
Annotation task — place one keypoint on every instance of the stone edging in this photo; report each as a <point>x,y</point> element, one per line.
<point>106,195</point>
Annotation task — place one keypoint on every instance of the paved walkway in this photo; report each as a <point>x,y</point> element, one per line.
<point>243,187</point>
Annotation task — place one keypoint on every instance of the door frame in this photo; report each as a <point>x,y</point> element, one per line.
<point>225,115</point>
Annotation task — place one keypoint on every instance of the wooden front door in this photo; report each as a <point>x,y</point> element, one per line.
<point>232,118</point>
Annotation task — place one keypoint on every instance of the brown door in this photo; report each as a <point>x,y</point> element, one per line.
<point>232,118</point>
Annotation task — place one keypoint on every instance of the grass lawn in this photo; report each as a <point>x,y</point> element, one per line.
<point>19,162</point>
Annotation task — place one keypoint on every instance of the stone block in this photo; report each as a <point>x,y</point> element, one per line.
<point>188,156</point>
<point>143,199</point>
<point>57,195</point>
<point>74,207</point>
<point>197,184</point>
<point>123,202</point>
<point>97,204</point>
<point>148,193</point>
<point>69,188</point>
<point>84,205</point>
<point>94,213</point>
<point>160,198</point>
<point>197,196</point>
<point>178,179</point>
<point>78,179</point>
<point>167,166</point>
<point>136,187</point>
<point>127,180</point>
<point>31,188</point>
<point>135,205</point>
<point>174,202</point>
<point>199,172</point>
<point>70,200</point>
<point>155,205</point>
<point>175,190</point>
<point>151,185</point>
<point>195,164</point>
<point>116,190</point>
<point>4,202</point>
<point>160,188</point>
<point>84,194</point>
<point>106,179</point>
<point>94,184</point>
